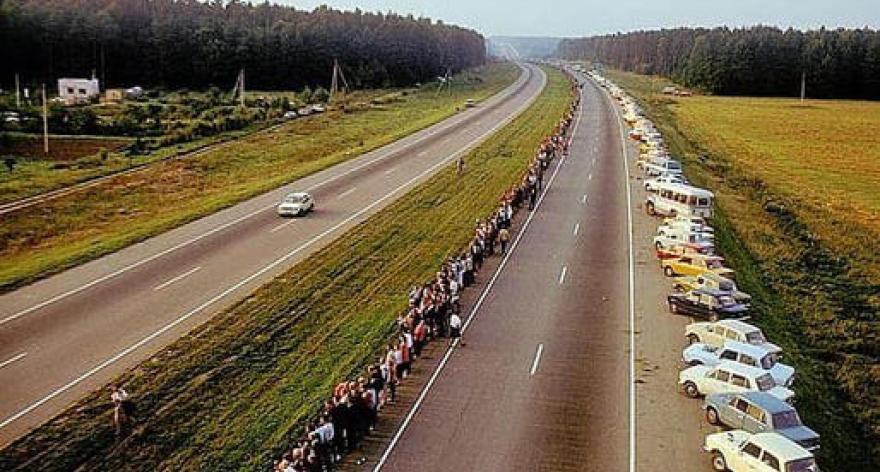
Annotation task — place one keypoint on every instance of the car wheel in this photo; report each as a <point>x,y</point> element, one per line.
<point>713,317</point>
<point>691,390</point>
<point>673,307</point>
<point>668,271</point>
<point>712,416</point>
<point>718,462</point>
<point>693,339</point>
<point>650,209</point>
<point>658,246</point>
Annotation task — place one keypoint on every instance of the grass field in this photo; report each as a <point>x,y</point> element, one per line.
<point>40,240</point>
<point>798,194</point>
<point>233,393</point>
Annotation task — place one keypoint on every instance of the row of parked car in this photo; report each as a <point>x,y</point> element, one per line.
<point>727,361</point>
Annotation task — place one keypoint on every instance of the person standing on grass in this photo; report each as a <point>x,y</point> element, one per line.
<point>123,408</point>
<point>460,166</point>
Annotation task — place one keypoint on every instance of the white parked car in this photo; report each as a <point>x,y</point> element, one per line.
<point>669,237</point>
<point>716,333</point>
<point>740,451</point>
<point>729,376</point>
<point>289,115</point>
<point>665,166</point>
<point>746,354</point>
<point>651,184</point>
<point>296,204</point>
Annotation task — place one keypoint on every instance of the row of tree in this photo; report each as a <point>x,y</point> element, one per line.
<point>842,63</point>
<point>191,43</point>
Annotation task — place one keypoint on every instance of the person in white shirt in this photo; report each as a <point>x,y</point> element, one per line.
<point>454,329</point>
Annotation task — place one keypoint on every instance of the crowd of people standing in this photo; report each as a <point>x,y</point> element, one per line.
<point>350,413</point>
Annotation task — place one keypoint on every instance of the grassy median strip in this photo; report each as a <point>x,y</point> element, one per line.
<point>797,219</point>
<point>232,394</point>
<point>60,233</point>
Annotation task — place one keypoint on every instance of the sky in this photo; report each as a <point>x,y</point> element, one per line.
<point>589,17</point>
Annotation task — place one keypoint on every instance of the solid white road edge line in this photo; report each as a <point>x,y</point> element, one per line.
<point>562,275</point>
<point>271,266</point>
<point>13,359</point>
<point>175,279</point>
<point>537,359</point>
<point>632,313</point>
<point>424,393</point>
<point>391,151</point>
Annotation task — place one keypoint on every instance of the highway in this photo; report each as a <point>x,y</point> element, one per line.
<point>71,333</point>
<point>544,382</point>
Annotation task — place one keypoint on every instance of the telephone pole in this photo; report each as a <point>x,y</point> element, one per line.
<point>803,85</point>
<point>241,92</point>
<point>45,123</point>
<point>17,92</point>
<point>334,82</point>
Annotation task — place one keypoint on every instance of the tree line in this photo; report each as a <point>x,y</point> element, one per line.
<point>194,44</point>
<point>763,61</point>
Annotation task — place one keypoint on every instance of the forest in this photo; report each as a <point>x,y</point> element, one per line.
<point>761,61</point>
<point>195,44</point>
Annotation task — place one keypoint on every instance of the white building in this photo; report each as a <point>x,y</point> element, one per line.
<point>75,91</point>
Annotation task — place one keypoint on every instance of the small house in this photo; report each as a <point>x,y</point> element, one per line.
<point>76,91</point>
<point>114,95</point>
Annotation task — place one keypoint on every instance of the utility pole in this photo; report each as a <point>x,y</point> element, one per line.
<point>17,92</point>
<point>45,123</point>
<point>334,82</point>
<point>803,86</point>
<point>241,92</point>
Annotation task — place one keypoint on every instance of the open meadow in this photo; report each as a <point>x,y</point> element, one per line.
<point>60,233</point>
<point>798,200</point>
<point>233,393</point>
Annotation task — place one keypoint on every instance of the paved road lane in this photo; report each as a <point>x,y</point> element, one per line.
<point>543,383</point>
<point>71,333</point>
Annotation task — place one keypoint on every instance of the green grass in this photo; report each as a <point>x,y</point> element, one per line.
<point>233,393</point>
<point>796,215</point>
<point>58,234</point>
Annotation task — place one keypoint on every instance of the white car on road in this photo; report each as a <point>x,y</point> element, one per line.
<point>296,204</point>
<point>729,376</point>
<point>740,451</point>
<point>746,354</point>
<point>651,184</point>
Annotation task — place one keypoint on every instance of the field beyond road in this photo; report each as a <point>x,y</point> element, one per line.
<point>798,217</point>
<point>233,393</point>
<point>57,234</point>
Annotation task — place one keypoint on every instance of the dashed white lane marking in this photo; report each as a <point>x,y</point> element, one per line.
<point>283,225</point>
<point>422,154</point>
<point>537,359</point>
<point>176,279</point>
<point>347,192</point>
<point>13,359</point>
<point>390,171</point>
<point>577,228</point>
<point>584,198</point>
<point>590,177</point>
<point>562,275</point>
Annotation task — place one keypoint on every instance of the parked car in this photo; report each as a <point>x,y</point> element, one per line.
<point>318,108</point>
<point>712,280</point>
<point>729,376</point>
<point>650,184</point>
<point>667,237</point>
<point>705,303</point>
<point>747,354</point>
<point>684,249</point>
<point>740,451</point>
<point>688,224</point>
<point>757,412</point>
<point>470,103</point>
<point>289,115</point>
<point>716,333</point>
<point>665,166</point>
<point>296,204</point>
<point>695,264</point>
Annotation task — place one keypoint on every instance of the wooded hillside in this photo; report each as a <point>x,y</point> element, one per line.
<point>189,43</point>
<point>764,61</point>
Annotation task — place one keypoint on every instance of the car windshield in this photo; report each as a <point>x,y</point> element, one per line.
<point>713,263</point>
<point>807,464</point>
<point>673,165</point>
<point>769,361</point>
<point>294,199</point>
<point>786,419</point>
<point>725,285</point>
<point>765,382</point>
<point>756,337</point>
<point>726,301</point>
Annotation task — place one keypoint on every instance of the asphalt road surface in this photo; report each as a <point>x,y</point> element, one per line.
<point>69,334</point>
<point>544,380</point>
